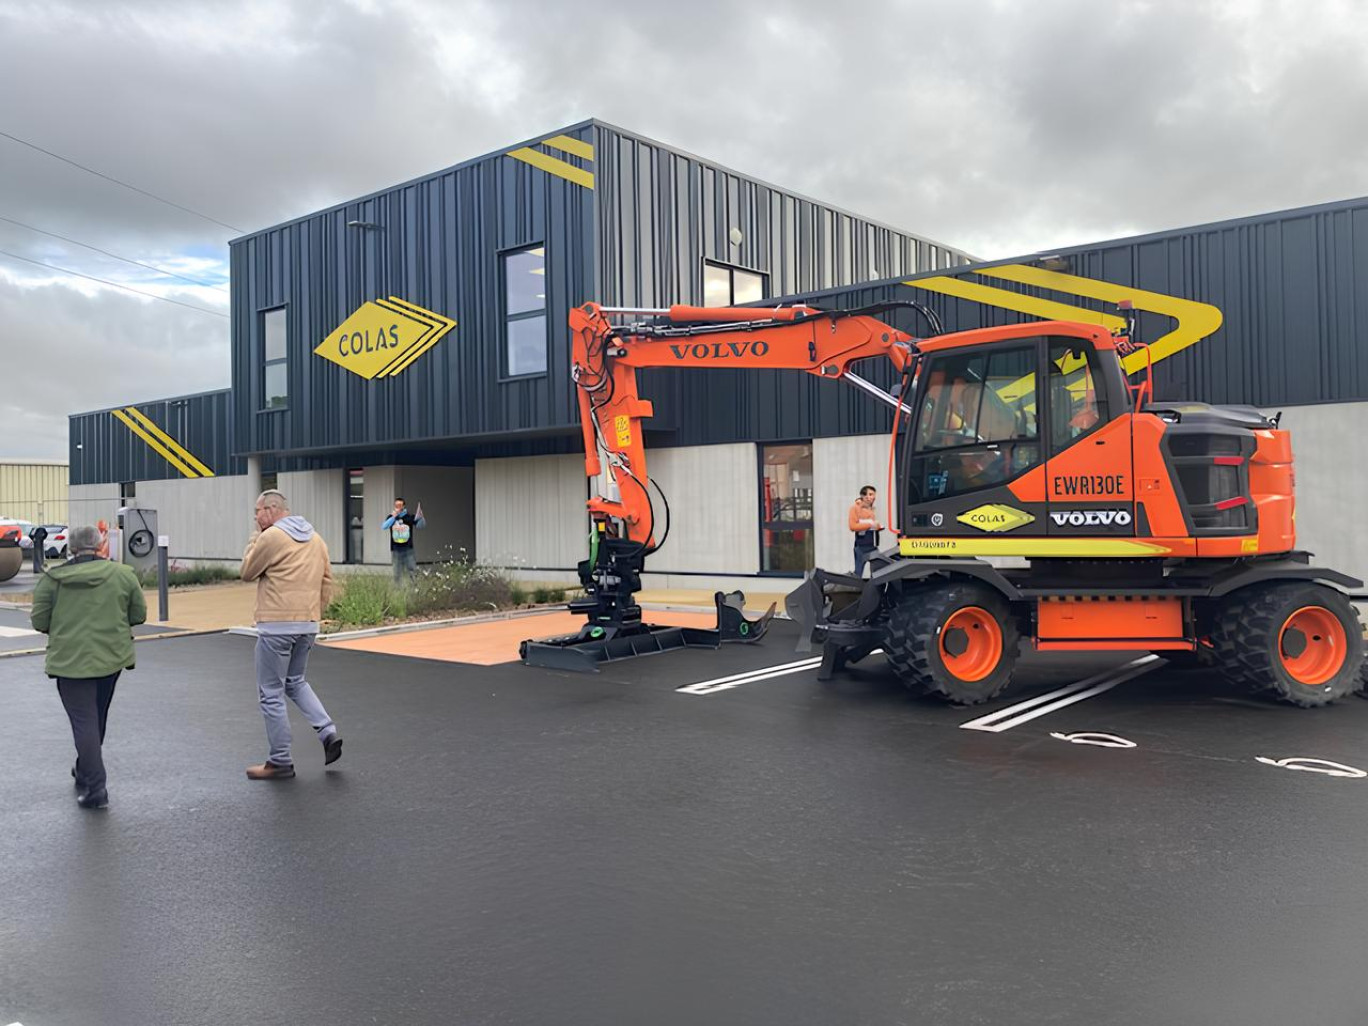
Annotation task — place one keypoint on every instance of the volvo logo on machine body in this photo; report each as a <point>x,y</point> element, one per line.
<point>719,350</point>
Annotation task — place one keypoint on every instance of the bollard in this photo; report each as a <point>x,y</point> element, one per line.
<point>163,602</point>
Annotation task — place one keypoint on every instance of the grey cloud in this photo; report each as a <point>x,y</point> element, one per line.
<point>1000,127</point>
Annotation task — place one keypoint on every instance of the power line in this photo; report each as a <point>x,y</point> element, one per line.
<point>109,178</point>
<point>115,284</point>
<point>127,260</point>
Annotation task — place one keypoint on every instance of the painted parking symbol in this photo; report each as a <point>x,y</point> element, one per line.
<point>1091,737</point>
<point>1325,766</point>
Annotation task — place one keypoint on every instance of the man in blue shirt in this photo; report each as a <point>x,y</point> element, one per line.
<point>401,524</point>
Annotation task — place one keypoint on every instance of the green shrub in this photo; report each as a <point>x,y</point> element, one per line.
<point>517,594</point>
<point>367,599</point>
<point>449,587</point>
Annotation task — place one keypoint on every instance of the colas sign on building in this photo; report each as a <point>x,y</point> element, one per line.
<point>383,337</point>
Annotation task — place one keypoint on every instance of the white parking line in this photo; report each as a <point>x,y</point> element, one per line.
<point>707,687</point>
<point>1043,705</point>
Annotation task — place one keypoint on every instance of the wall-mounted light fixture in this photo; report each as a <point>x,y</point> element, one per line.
<point>1055,262</point>
<point>365,224</point>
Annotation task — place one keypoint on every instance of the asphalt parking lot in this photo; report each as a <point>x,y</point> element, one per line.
<point>698,837</point>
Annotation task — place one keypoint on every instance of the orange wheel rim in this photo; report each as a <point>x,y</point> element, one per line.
<point>971,643</point>
<point>1312,645</point>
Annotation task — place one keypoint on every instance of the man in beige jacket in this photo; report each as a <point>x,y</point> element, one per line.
<point>289,562</point>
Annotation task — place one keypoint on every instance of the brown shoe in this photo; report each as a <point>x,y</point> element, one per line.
<point>270,771</point>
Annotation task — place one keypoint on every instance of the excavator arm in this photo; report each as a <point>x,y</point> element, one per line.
<point>608,347</point>
<point>606,357</point>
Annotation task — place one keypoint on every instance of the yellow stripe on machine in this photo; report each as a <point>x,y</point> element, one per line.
<point>1031,547</point>
<point>555,166</point>
<point>175,446</point>
<point>155,445</point>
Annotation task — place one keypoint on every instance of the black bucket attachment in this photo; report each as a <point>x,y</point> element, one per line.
<point>608,642</point>
<point>835,611</point>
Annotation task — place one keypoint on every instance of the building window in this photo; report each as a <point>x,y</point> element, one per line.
<point>724,285</point>
<point>270,481</point>
<point>128,491</point>
<point>786,544</point>
<point>524,277</point>
<point>275,377</point>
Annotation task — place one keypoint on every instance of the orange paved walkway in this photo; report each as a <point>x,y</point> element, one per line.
<point>495,641</point>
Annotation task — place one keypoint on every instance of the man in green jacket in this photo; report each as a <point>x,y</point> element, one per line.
<point>88,607</point>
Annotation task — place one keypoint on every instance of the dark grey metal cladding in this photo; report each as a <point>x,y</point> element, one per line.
<point>111,452</point>
<point>437,246</point>
<point>663,212</point>
<point>1290,287</point>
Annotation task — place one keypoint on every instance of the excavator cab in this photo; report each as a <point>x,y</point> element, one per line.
<point>994,419</point>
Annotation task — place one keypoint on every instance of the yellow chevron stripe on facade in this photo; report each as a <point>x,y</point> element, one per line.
<point>555,166</point>
<point>1195,320</point>
<point>154,444</point>
<point>185,454</point>
<point>1047,309</point>
<point>574,147</point>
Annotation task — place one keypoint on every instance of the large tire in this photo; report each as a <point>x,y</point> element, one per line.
<point>953,639</point>
<point>1299,640</point>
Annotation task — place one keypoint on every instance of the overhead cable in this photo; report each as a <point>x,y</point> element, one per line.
<point>115,284</point>
<point>127,260</point>
<point>110,178</point>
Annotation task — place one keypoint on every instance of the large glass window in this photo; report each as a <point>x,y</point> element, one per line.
<point>1077,405</point>
<point>730,286</point>
<point>524,278</point>
<point>356,524</point>
<point>275,375</point>
<point>786,509</point>
<point>977,426</point>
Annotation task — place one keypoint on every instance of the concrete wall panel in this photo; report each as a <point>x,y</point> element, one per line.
<point>529,513</point>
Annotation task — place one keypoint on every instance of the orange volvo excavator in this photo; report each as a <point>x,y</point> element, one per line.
<point>1138,525</point>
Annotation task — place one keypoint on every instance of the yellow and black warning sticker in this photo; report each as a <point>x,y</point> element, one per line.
<point>995,517</point>
<point>382,338</point>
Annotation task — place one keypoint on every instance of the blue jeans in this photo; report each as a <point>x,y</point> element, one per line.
<point>404,561</point>
<point>862,556</point>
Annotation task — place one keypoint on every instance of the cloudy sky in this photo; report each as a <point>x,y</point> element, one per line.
<point>998,127</point>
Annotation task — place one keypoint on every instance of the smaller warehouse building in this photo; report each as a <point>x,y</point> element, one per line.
<point>34,490</point>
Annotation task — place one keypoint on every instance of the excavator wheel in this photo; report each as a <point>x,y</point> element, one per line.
<point>1300,641</point>
<point>953,639</point>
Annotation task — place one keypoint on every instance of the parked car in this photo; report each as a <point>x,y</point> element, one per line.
<point>18,529</point>
<point>55,544</point>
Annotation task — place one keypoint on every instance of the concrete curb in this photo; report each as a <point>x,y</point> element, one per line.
<point>138,639</point>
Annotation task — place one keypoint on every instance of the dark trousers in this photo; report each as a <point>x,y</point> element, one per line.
<point>862,556</point>
<point>86,700</point>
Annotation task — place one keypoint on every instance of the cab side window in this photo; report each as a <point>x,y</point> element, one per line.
<point>1077,404</point>
<point>977,425</point>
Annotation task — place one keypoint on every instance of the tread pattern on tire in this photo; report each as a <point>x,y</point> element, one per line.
<point>1244,639</point>
<point>914,631</point>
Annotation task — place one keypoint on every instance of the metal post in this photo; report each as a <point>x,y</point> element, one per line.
<point>163,602</point>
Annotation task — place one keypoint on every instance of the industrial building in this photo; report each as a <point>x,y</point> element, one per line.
<point>414,342</point>
<point>34,490</point>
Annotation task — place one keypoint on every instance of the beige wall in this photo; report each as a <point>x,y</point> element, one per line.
<point>87,504</point>
<point>529,513</point>
<point>714,509</point>
<point>316,495</point>
<point>840,468</point>
<point>35,491</point>
<point>204,518</point>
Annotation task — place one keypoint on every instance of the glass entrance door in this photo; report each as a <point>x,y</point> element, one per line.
<point>786,543</point>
